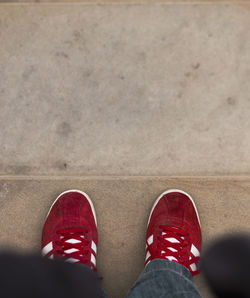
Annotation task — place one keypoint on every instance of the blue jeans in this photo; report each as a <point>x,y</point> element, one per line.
<point>34,276</point>
<point>162,278</point>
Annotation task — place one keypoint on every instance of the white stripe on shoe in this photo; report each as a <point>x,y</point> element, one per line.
<point>150,239</point>
<point>195,251</point>
<point>93,259</point>
<point>193,267</point>
<point>93,246</point>
<point>47,249</point>
<point>148,255</point>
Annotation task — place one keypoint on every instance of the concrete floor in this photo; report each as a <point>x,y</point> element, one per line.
<point>123,89</point>
<point>122,206</point>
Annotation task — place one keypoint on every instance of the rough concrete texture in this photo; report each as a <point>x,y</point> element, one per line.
<point>125,89</point>
<point>120,1</point>
<point>122,206</point>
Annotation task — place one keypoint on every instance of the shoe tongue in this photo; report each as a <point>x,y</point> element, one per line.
<point>171,238</point>
<point>73,241</point>
<point>170,258</point>
<point>71,260</point>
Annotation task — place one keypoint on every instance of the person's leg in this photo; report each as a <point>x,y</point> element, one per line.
<point>70,233</point>
<point>173,244</point>
<point>226,264</point>
<point>163,278</point>
<point>25,276</point>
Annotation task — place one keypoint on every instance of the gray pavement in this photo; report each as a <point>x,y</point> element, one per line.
<point>124,89</point>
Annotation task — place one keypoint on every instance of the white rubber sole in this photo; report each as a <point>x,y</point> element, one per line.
<point>78,191</point>
<point>170,191</point>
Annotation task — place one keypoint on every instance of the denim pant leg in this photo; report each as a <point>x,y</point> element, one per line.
<point>162,278</point>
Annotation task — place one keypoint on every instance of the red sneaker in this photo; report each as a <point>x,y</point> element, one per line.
<point>174,231</point>
<point>70,229</point>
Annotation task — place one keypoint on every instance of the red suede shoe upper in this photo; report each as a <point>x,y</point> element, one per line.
<point>174,231</point>
<point>70,230</point>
